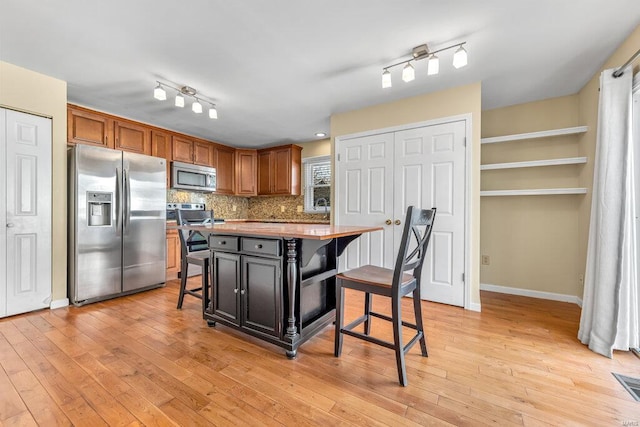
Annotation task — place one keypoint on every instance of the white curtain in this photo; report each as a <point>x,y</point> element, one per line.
<point>609,319</point>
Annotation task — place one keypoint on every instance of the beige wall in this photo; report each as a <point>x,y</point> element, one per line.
<point>451,102</point>
<point>540,243</point>
<point>532,241</point>
<point>321,147</point>
<point>31,92</point>
<point>588,97</point>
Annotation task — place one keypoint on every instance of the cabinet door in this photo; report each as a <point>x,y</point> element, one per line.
<point>281,171</point>
<point>132,137</point>
<point>203,153</point>
<point>264,173</point>
<point>226,286</point>
<point>182,149</point>
<point>224,169</point>
<point>161,147</point>
<point>173,254</point>
<point>261,295</point>
<point>84,127</point>
<point>246,173</point>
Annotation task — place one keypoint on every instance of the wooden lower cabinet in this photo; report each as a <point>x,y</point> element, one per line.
<point>173,254</point>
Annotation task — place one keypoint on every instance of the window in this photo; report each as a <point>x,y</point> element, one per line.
<point>317,184</point>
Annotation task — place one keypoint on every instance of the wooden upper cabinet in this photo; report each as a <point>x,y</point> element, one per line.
<point>203,153</point>
<point>161,147</point>
<point>246,173</point>
<point>161,144</point>
<point>132,137</point>
<point>225,169</point>
<point>181,149</point>
<point>88,127</point>
<point>265,177</point>
<point>279,170</point>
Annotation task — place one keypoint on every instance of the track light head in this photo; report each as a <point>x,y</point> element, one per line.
<point>408,72</point>
<point>159,93</point>
<point>460,57</point>
<point>386,79</point>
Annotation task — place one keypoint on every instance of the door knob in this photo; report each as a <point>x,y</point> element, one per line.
<point>388,222</point>
<point>10,225</point>
<point>397,222</point>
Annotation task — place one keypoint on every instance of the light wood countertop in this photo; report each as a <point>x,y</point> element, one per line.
<point>286,230</point>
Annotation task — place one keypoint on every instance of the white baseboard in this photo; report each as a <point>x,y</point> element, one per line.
<point>474,306</point>
<point>531,293</point>
<point>59,303</point>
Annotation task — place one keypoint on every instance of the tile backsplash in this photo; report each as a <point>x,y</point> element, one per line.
<point>253,208</point>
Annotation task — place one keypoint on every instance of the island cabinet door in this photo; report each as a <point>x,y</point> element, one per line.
<point>226,286</point>
<point>261,295</point>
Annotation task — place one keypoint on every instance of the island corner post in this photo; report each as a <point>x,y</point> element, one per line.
<point>275,282</point>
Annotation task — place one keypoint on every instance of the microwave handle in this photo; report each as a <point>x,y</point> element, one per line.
<point>208,180</point>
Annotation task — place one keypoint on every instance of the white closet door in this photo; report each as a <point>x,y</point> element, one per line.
<point>365,197</point>
<point>429,172</point>
<point>379,176</point>
<point>28,212</point>
<point>3,214</point>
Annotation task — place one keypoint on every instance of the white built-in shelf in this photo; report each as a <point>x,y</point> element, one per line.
<point>533,135</point>
<point>535,163</point>
<point>534,192</point>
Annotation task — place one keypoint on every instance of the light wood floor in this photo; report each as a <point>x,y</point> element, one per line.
<point>139,361</point>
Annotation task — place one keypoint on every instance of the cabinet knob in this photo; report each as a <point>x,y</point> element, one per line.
<point>10,225</point>
<point>397,222</point>
<point>258,246</point>
<point>388,222</point>
<point>222,242</point>
<point>242,292</point>
<point>235,291</point>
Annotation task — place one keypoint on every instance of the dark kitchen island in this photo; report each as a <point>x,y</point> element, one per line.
<point>274,281</point>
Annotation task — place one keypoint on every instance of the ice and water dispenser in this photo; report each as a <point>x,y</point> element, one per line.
<point>99,209</point>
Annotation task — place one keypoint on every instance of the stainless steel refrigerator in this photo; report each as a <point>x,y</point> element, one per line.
<point>117,223</point>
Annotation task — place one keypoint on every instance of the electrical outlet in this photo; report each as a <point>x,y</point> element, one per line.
<point>299,209</point>
<point>581,279</point>
<point>234,208</point>
<point>486,260</point>
<point>282,208</point>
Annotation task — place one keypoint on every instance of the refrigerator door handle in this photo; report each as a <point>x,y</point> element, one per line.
<point>118,210</point>
<point>127,199</point>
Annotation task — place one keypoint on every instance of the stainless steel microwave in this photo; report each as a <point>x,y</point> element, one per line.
<point>185,176</point>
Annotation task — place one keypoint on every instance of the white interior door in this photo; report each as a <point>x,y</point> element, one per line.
<point>365,197</point>
<point>28,212</point>
<point>3,213</point>
<point>379,176</point>
<point>430,172</point>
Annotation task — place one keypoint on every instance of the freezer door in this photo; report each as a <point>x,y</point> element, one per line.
<point>95,243</point>
<point>144,214</point>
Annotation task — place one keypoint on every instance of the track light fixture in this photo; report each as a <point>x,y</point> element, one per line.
<point>160,94</point>
<point>433,65</point>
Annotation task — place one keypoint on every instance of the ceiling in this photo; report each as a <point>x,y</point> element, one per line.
<point>279,69</point>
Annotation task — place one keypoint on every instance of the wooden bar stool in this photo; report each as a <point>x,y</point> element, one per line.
<point>194,250</point>
<point>402,280</point>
